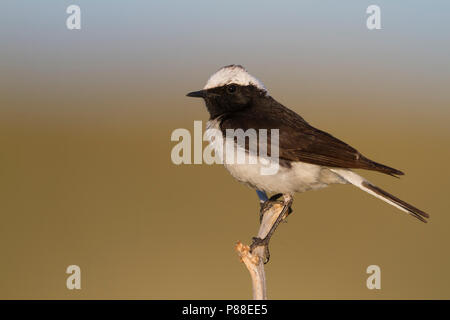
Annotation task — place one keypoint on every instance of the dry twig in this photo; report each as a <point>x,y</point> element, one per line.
<point>254,261</point>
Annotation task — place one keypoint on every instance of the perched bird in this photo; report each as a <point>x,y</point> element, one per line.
<point>309,158</point>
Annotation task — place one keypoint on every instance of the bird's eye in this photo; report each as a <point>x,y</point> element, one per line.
<point>231,88</point>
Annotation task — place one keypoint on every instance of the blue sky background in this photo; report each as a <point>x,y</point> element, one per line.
<point>161,48</point>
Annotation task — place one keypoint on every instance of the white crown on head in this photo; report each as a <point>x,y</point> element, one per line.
<point>233,74</point>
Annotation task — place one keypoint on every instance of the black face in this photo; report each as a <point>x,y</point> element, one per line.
<point>228,98</point>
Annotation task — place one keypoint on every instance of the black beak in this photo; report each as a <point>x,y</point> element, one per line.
<point>197,94</point>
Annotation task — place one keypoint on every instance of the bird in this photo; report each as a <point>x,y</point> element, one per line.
<point>309,158</point>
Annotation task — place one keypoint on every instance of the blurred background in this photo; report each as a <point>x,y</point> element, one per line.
<point>86,176</point>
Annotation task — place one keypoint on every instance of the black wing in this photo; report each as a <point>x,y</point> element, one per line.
<point>299,141</point>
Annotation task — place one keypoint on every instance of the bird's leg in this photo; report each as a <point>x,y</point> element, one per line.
<point>262,195</point>
<point>287,202</point>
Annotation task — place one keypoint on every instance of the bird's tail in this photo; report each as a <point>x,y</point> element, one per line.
<point>365,185</point>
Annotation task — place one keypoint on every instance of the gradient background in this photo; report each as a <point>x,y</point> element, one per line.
<point>85,170</point>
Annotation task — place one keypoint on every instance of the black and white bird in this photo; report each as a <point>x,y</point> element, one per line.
<point>309,158</point>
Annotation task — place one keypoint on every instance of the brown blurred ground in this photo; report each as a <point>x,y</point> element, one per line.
<point>105,196</point>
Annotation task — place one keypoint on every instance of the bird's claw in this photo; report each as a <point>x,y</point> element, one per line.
<point>269,203</point>
<point>257,242</point>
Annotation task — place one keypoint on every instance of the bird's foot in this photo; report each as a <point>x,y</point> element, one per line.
<point>269,203</point>
<point>261,242</point>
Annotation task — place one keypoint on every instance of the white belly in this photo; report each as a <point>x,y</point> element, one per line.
<point>300,177</point>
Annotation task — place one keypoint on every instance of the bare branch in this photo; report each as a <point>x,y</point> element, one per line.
<point>254,261</point>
